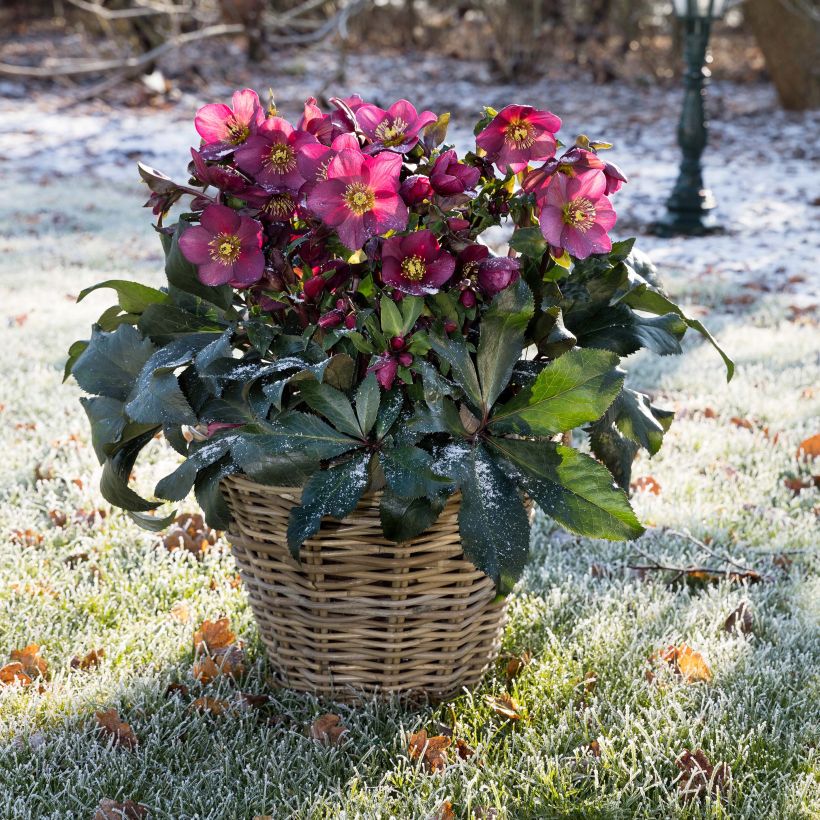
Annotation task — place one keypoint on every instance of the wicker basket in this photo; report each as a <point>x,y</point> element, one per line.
<point>359,614</point>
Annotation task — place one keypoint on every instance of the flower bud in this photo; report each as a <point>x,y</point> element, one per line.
<point>405,359</point>
<point>416,189</point>
<point>397,343</point>
<point>467,298</point>
<point>313,287</point>
<point>330,320</point>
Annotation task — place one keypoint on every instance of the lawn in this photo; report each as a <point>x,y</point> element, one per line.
<point>74,580</point>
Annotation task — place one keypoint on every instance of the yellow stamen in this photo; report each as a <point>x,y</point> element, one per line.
<point>280,206</point>
<point>391,133</point>
<point>413,268</point>
<point>282,158</point>
<point>519,133</point>
<point>237,132</point>
<point>225,248</point>
<point>579,214</point>
<point>359,198</point>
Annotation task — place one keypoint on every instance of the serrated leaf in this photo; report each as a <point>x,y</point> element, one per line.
<point>368,397</point>
<point>502,339</point>
<point>576,388</point>
<point>333,492</point>
<point>409,472</point>
<point>571,488</point>
<point>454,351</point>
<point>332,404</point>
<point>111,362</point>
<point>391,318</point>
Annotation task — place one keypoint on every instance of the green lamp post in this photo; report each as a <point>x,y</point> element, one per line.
<point>689,204</point>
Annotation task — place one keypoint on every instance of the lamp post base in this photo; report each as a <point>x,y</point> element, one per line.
<point>689,214</point>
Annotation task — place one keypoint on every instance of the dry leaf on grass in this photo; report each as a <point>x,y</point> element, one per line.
<point>14,673</point>
<point>328,729</point>
<point>173,689</point>
<point>212,706</point>
<point>180,612</point>
<point>745,424</point>
<point>740,619</point>
<point>27,538</point>
<point>432,751</point>
<point>646,484</point>
<point>684,660</point>
<point>782,561</point>
<point>515,664</point>
<point>699,777</point>
<point>109,809</point>
<point>58,518</point>
<point>213,635</point>
<point>443,812</point>
<point>113,726</point>
<point>33,663</point>
<point>89,660</point>
<point>229,661</point>
<point>190,533</point>
<point>504,706</point>
<point>809,448</point>
<point>249,700</point>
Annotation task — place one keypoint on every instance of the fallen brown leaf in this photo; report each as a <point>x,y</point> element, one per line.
<point>740,619</point>
<point>173,689</point>
<point>191,533</point>
<point>709,413</point>
<point>328,729</point>
<point>432,751</point>
<point>685,661</point>
<point>109,809</point>
<point>252,701</point>
<point>465,751</point>
<point>647,484</point>
<point>113,726</point>
<point>213,635</point>
<point>14,673</point>
<point>741,422</point>
<point>781,561</point>
<point>515,664</point>
<point>229,661</point>
<point>89,660</point>
<point>34,664</point>
<point>27,538</point>
<point>58,518</point>
<point>699,777</point>
<point>504,706</point>
<point>180,612</point>
<point>213,706</point>
<point>444,812</point>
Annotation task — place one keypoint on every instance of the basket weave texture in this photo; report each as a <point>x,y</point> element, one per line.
<point>359,614</point>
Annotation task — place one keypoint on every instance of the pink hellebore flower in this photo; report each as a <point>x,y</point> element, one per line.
<point>360,197</point>
<point>396,129</point>
<point>517,135</point>
<point>314,158</point>
<point>575,214</point>
<point>316,122</point>
<point>226,247</point>
<point>450,177</point>
<point>415,263</point>
<point>571,163</point>
<point>270,155</point>
<point>217,123</point>
<point>491,274</point>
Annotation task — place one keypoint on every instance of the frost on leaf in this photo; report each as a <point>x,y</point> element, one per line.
<point>327,729</point>
<point>114,727</point>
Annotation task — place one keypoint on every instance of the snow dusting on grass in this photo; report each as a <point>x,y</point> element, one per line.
<point>581,610</point>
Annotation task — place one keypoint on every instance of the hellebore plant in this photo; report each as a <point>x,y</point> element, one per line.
<point>333,320</point>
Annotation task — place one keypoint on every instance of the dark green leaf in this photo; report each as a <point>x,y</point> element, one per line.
<point>111,362</point>
<point>334,492</point>
<point>389,411</point>
<point>570,487</point>
<point>165,323</point>
<point>454,351</point>
<point>574,389</point>
<point>409,472</point>
<point>209,493</point>
<point>502,339</point>
<point>178,484</point>
<point>74,353</point>
<point>368,397</point>
<point>116,470</point>
<point>494,526</point>
<point>332,404</point>
<point>391,318</point>
<point>529,242</point>
<point>620,329</point>
<point>405,518</point>
<point>152,523</point>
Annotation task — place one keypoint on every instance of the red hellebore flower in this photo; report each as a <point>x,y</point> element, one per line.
<point>316,122</point>
<point>226,247</point>
<point>396,129</point>
<point>270,155</point>
<point>575,214</point>
<point>450,177</point>
<point>491,274</point>
<point>219,123</point>
<point>415,263</point>
<point>360,197</point>
<point>220,176</point>
<point>416,189</point>
<point>517,135</point>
